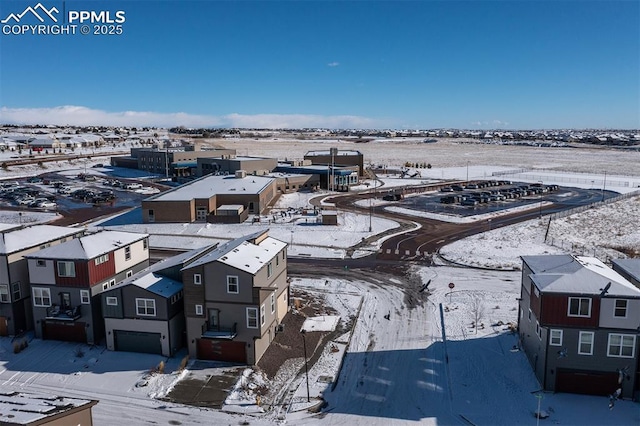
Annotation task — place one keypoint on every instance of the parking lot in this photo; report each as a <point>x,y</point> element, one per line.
<point>63,193</point>
<point>492,196</point>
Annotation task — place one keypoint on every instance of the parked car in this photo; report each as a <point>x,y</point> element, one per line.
<point>47,205</point>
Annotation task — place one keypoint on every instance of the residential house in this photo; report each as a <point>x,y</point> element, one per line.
<point>145,312</point>
<point>235,297</point>
<point>578,325</point>
<point>15,296</point>
<point>39,409</point>
<point>67,279</point>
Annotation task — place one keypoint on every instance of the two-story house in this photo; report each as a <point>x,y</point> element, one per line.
<point>15,296</point>
<point>145,312</point>
<point>235,296</point>
<point>67,279</point>
<point>578,324</point>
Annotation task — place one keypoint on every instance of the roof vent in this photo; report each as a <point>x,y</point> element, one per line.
<point>241,174</point>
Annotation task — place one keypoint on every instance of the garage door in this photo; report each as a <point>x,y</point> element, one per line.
<point>137,341</point>
<point>586,382</point>
<point>221,350</point>
<point>65,331</point>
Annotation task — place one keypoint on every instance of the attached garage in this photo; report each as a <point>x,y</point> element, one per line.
<point>138,341</point>
<point>221,350</point>
<point>586,382</point>
<point>66,331</point>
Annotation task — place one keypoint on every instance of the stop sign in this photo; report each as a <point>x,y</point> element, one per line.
<point>451,285</point>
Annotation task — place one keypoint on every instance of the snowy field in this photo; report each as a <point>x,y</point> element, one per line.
<point>395,370</point>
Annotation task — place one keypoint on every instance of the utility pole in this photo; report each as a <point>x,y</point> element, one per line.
<point>604,184</point>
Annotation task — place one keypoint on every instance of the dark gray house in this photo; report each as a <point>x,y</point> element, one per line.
<point>145,312</point>
<point>578,325</point>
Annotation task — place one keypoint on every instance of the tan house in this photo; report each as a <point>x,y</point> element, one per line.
<point>209,198</point>
<point>235,297</point>
<point>20,408</point>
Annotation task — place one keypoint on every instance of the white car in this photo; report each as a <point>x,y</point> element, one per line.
<point>47,205</point>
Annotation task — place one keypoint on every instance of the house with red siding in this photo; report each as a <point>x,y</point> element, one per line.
<point>16,242</point>
<point>67,279</point>
<point>578,325</point>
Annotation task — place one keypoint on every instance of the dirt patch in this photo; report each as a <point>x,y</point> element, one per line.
<point>204,386</point>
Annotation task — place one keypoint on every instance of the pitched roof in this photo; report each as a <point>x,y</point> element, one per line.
<point>577,275</point>
<point>630,266</point>
<point>89,246</point>
<point>243,254</point>
<point>14,239</point>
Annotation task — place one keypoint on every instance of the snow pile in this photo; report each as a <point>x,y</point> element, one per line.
<point>248,390</point>
<point>322,323</point>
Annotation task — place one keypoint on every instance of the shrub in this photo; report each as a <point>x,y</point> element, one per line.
<point>183,363</point>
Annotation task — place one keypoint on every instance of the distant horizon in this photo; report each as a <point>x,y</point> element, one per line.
<point>422,64</point>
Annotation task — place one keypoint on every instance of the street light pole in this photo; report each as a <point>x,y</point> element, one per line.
<point>306,368</point>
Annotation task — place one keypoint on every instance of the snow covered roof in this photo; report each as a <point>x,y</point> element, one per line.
<point>14,239</point>
<point>630,266</point>
<point>338,153</point>
<point>25,408</point>
<point>577,275</point>
<point>155,283</point>
<point>210,185</point>
<point>90,246</point>
<point>243,254</point>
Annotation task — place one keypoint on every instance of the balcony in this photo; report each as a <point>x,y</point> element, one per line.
<point>67,314</point>
<point>226,333</point>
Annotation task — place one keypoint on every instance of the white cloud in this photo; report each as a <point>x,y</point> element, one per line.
<point>333,64</point>
<point>83,116</point>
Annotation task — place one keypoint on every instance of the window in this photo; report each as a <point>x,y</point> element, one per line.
<point>252,317</point>
<point>127,253</point>
<point>262,315</point>
<point>529,315</point>
<point>84,297</point>
<point>269,269</point>
<point>102,259</point>
<point>198,309</point>
<point>232,284</point>
<point>621,345</point>
<point>146,307</point>
<point>41,263</point>
<point>145,244</point>
<point>41,297</point>
<point>579,307</point>
<point>620,308</point>
<point>129,273</point>
<point>105,286</point>
<point>112,301</point>
<point>16,290</point>
<point>538,330</point>
<point>273,302</point>
<point>197,279</point>
<point>112,282</point>
<point>66,269</point>
<point>585,343</point>
<point>277,260</point>
<point>4,293</point>
<point>555,338</point>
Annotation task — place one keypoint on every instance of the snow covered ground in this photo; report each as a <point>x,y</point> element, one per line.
<point>395,370</point>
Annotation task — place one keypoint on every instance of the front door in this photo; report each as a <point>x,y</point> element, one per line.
<point>65,301</point>
<point>201,213</point>
<point>214,319</point>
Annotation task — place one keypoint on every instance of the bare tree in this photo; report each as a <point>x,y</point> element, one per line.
<point>477,309</point>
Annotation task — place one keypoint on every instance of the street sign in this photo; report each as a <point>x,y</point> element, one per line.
<point>451,285</point>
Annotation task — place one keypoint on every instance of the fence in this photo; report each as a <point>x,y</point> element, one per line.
<point>583,249</point>
<point>553,177</point>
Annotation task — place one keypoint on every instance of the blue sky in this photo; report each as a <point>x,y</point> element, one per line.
<point>376,64</point>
